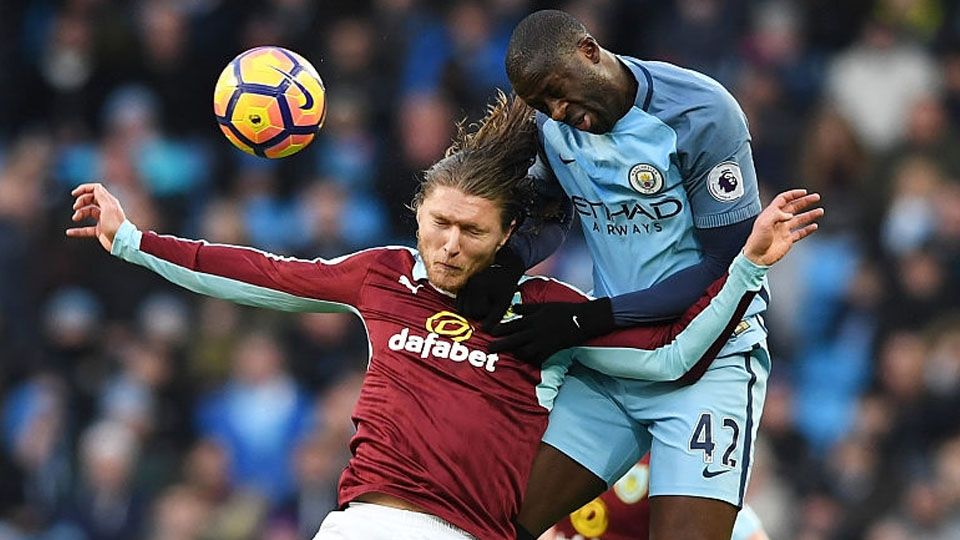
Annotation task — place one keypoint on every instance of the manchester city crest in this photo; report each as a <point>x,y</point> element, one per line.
<point>646,178</point>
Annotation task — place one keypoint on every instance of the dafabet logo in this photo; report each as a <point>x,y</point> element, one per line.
<point>456,329</point>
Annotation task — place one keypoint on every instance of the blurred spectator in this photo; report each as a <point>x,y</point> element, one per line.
<point>773,127</point>
<point>919,19</point>
<point>37,480</point>
<point>833,162</point>
<point>167,66</point>
<point>909,222</point>
<point>703,35</point>
<point>778,46</point>
<point>269,218</point>
<point>919,291</point>
<point>324,346</point>
<point>350,71</point>
<point>230,514</point>
<point>462,57</point>
<point>258,416</point>
<point>107,505</point>
<point>128,397</point>
<point>876,81</point>
<point>424,129</point>
<point>319,462</point>
<point>337,220</point>
<point>23,177</point>
<point>178,514</point>
<point>336,405</point>
<point>213,342</point>
<point>347,151</point>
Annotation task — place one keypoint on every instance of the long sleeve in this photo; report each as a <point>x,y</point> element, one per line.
<point>683,348</point>
<point>245,275</point>
<point>670,297</point>
<point>549,220</point>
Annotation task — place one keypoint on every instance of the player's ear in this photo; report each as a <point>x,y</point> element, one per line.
<point>589,48</point>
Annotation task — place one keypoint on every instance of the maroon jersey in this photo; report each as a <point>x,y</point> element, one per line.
<point>620,513</point>
<point>441,423</point>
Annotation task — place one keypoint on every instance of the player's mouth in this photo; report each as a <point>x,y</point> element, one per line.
<point>448,268</point>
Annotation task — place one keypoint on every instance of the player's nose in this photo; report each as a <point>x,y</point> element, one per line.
<point>451,244</point>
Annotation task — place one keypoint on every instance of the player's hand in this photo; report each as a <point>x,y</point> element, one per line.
<point>487,295</point>
<point>93,201</point>
<point>547,328</point>
<point>785,221</point>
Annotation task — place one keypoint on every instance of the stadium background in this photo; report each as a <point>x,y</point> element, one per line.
<point>129,409</point>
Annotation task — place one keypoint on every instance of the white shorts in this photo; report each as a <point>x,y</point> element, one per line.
<point>365,521</point>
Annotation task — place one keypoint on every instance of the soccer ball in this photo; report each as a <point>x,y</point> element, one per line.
<point>270,102</point>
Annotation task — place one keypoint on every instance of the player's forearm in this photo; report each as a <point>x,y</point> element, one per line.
<point>534,247</point>
<point>672,296</point>
<point>666,300</point>
<point>541,235</point>
<point>237,274</point>
<point>667,352</point>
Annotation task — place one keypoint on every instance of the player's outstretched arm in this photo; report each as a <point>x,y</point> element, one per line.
<point>684,348</point>
<point>235,273</point>
<point>93,201</point>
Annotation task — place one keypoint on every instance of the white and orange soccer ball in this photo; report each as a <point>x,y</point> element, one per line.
<point>270,102</point>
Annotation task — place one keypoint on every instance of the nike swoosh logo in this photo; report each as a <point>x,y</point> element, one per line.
<point>575,321</point>
<point>308,104</point>
<point>567,161</point>
<point>707,473</point>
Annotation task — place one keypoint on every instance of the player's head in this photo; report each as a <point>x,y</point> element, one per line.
<point>558,68</point>
<point>469,202</point>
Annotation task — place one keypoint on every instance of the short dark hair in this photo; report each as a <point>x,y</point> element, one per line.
<point>540,41</point>
<point>490,160</point>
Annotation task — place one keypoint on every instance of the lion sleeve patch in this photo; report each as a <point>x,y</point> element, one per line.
<point>725,182</point>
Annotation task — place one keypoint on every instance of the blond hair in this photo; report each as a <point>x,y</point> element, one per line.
<point>490,159</point>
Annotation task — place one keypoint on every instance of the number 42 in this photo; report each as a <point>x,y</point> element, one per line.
<point>702,439</point>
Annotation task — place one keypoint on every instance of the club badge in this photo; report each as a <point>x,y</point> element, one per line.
<point>646,178</point>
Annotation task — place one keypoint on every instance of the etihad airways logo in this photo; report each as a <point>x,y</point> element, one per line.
<point>449,325</point>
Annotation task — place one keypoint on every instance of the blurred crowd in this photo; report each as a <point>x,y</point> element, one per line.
<point>130,409</point>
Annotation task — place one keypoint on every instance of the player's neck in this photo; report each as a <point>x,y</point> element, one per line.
<point>442,291</point>
<point>625,83</point>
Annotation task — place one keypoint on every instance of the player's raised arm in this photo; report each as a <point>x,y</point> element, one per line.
<point>682,349</point>
<point>686,347</point>
<point>239,274</point>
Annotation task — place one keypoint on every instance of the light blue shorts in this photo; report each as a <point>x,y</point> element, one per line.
<point>700,437</point>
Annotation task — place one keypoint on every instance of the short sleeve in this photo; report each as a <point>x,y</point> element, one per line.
<point>717,162</point>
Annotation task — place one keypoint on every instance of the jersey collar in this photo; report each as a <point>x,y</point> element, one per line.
<point>644,81</point>
<point>419,268</point>
<point>419,273</point>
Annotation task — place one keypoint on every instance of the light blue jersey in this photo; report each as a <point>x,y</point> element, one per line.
<point>680,158</point>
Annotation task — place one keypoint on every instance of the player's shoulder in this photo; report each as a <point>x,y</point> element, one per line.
<point>672,82</point>
<point>677,92</point>
<point>538,289</point>
<point>400,258</point>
